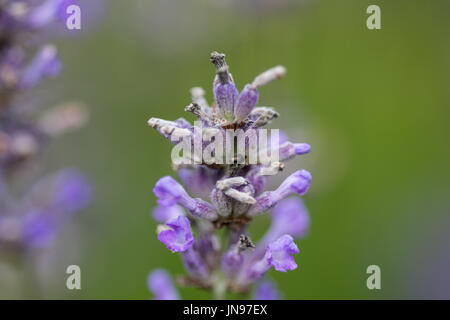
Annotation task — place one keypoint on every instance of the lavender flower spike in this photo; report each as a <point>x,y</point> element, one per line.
<point>161,285</point>
<point>178,237</point>
<point>171,192</point>
<point>298,182</point>
<point>231,193</point>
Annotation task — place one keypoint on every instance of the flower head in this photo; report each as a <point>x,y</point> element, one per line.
<point>178,238</point>
<point>279,253</point>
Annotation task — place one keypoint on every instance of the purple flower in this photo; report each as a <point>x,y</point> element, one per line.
<point>266,290</point>
<point>39,229</point>
<point>45,64</point>
<point>48,12</point>
<point>171,192</point>
<point>298,182</point>
<point>161,285</point>
<point>179,237</point>
<point>72,191</point>
<point>289,217</point>
<point>279,253</point>
<point>289,150</point>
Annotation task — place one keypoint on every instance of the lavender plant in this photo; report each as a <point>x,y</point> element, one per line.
<point>32,213</point>
<point>226,197</point>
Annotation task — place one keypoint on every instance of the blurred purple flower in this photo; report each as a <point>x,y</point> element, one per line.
<point>72,191</point>
<point>39,229</point>
<point>161,285</point>
<point>45,64</point>
<point>266,290</point>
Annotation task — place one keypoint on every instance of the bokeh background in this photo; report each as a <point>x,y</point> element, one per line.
<point>374,105</point>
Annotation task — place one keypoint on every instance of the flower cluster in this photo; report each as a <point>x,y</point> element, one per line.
<point>219,196</point>
<point>32,214</point>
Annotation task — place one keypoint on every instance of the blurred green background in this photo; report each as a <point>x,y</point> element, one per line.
<point>374,105</point>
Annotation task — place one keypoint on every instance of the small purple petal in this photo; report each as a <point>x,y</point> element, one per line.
<point>72,192</point>
<point>289,150</point>
<point>246,102</point>
<point>45,64</point>
<point>179,238</point>
<point>39,229</point>
<point>161,285</point>
<point>170,192</point>
<point>163,214</point>
<point>226,96</point>
<point>289,217</point>
<point>48,12</point>
<point>298,182</point>
<point>279,253</point>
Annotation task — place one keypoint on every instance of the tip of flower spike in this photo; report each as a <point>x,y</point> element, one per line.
<point>301,148</point>
<point>218,60</point>
<point>303,181</point>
